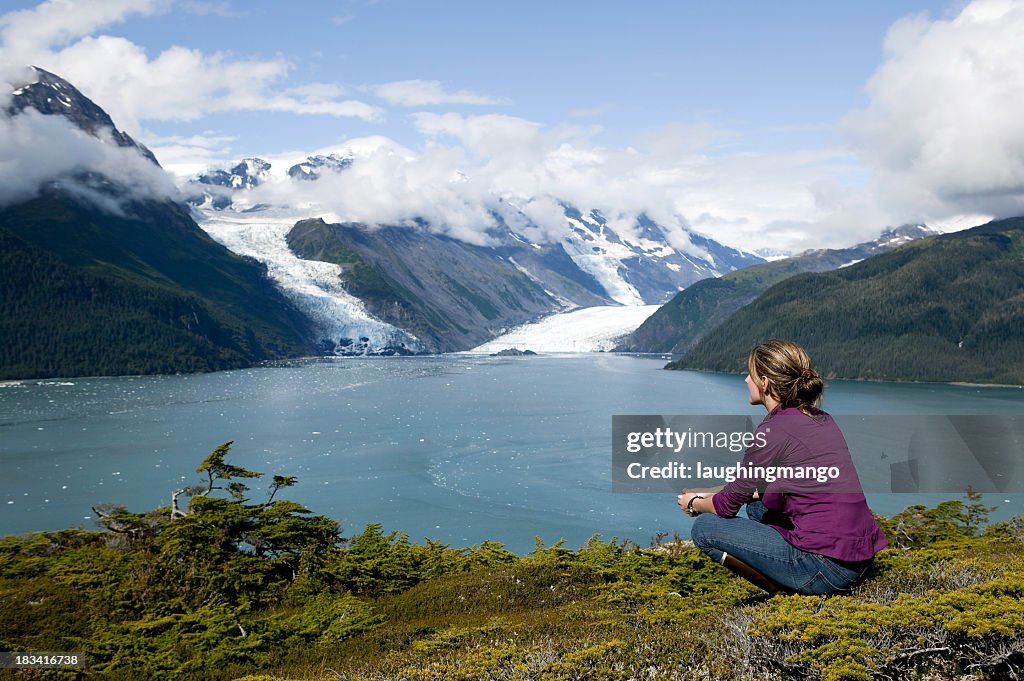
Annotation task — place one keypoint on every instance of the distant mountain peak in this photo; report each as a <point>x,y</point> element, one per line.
<point>51,95</point>
<point>313,166</point>
<point>894,236</point>
<point>773,253</point>
<point>642,264</point>
<point>246,174</point>
<point>693,313</point>
<point>217,187</point>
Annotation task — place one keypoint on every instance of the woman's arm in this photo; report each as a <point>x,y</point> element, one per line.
<point>701,499</point>
<point>705,504</point>
<point>701,503</point>
<point>771,441</point>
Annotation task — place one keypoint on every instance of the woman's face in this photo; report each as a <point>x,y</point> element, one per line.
<point>756,387</point>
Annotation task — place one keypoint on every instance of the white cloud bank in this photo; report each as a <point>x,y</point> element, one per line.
<point>36,149</point>
<point>475,167</point>
<point>944,130</point>
<point>178,84</point>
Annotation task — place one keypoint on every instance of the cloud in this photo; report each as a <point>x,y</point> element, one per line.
<point>36,149</point>
<point>185,84</point>
<point>59,22</point>
<point>427,93</point>
<point>490,134</point>
<point>348,11</point>
<point>940,136</point>
<point>185,156</point>
<point>943,130</point>
<point>474,168</point>
<point>388,184</point>
<point>591,111</point>
<point>682,138</point>
<point>177,84</point>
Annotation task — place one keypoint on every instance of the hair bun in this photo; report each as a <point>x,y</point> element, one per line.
<point>786,365</point>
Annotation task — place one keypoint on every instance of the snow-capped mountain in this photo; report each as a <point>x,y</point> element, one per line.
<point>897,236</point>
<point>770,254</point>
<point>414,286</point>
<point>106,272</point>
<point>51,95</point>
<point>314,166</point>
<point>442,293</point>
<point>216,186</point>
<point>645,266</point>
<point>247,174</point>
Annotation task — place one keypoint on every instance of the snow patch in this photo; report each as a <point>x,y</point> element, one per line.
<point>591,329</point>
<point>959,222</point>
<point>602,259</point>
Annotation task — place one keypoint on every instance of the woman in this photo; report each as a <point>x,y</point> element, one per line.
<point>800,535</point>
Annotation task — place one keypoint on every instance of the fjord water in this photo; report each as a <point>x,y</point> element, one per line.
<point>458,448</point>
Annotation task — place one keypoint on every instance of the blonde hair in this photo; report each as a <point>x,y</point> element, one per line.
<point>791,379</point>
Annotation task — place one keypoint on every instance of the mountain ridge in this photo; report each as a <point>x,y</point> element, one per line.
<point>643,267</point>
<point>458,298</point>
<point>946,308</point>
<point>51,95</point>
<point>697,310</point>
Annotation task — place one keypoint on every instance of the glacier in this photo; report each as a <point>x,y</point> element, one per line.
<point>590,329</point>
<point>341,321</point>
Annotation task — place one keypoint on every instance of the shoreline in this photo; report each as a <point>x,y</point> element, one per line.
<point>984,385</point>
<point>903,381</point>
<point>14,382</point>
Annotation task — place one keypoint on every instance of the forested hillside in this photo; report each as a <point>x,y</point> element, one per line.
<point>90,292</point>
<point>697,310</point>
<point>947,308</point>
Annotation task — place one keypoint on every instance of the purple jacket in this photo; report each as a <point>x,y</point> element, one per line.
<point>830,518</point>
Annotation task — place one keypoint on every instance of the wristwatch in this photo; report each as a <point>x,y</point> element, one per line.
<point>689,506</point>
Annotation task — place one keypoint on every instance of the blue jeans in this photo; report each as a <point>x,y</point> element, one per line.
<point>761,547</point>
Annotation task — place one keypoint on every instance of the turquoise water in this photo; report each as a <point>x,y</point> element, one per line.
<point>456,448</point>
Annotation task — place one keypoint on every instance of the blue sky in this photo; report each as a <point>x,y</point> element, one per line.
<point>791,124</point>
<point>760,68</point>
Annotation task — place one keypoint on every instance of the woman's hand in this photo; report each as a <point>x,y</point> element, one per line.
<point>688,501</point>
<point>684,499</point>
<point>701,500</point>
